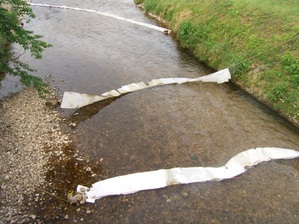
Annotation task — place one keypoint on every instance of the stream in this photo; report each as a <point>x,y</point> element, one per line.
<point>195,124</point>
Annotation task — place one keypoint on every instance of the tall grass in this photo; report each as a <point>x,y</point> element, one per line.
<point>258,41</point>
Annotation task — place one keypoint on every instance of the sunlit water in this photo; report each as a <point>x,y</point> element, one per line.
<point>200,124</point>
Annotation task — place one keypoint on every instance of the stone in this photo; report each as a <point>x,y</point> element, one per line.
<point>29,131</point>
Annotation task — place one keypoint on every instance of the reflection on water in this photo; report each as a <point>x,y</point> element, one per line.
<point>195,124</point>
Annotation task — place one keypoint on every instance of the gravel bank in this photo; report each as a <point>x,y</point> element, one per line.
<point>30,134</point>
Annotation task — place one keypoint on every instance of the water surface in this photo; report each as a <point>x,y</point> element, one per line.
<point>196,124</point>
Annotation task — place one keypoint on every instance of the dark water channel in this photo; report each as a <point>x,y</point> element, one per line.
<point>163,127</point>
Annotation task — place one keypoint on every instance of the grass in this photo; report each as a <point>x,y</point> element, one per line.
<point>257,40</point>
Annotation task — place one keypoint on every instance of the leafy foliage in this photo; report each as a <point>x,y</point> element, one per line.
<point>12,32</point>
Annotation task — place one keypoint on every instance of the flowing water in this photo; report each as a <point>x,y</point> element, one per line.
<point>198,124</point>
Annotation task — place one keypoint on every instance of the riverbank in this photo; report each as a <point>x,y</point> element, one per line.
<point>30,137</point>
<point>258,41</point>
<point>38,163</point>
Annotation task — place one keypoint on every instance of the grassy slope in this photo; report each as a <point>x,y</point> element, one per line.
<point>258,40</point>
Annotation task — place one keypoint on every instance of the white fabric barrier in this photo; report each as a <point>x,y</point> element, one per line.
<point>156,179</point>
<point>74,100</point>
<point>161,29</point>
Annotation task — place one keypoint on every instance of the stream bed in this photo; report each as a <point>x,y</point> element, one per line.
<point>195,124</point>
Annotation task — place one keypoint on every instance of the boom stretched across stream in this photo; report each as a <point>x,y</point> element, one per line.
<point>156,179</point>
<point>74,100</point>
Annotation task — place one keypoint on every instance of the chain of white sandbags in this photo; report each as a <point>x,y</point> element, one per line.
<point>128,184</point>
<point>74,100</point>
<point>161,29</point>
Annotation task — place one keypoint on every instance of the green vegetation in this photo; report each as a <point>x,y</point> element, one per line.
<point>257,40</point>
<point>12,32</point>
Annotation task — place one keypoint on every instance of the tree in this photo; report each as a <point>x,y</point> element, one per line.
<point>12,12</point>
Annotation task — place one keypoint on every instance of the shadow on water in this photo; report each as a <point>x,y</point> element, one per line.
<point>89,111</point>
<point>264,107</point>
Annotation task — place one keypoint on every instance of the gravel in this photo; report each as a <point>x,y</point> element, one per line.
<point>30,133</point>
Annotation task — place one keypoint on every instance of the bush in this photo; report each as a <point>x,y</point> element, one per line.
<point>12,32</point>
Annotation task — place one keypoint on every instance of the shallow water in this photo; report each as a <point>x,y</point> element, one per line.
<point>196,124</point>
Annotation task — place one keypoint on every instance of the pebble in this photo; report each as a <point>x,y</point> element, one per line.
<point>29,129</point>
<point>88,169</point>
<point>185,194</point>
<point>33,216</point>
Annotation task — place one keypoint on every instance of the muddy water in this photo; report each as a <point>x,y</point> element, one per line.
<point>163,127</point>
